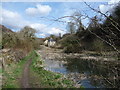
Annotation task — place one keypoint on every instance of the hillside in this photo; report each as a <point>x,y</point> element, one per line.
<point>5,29</point>
<point>8,37</point>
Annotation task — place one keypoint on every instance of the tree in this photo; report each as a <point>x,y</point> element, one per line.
<point>75,23</point>
<point>27,32</point>
<point>78,21</point>
<point>112,22</point>
<point>93,22</point>
<point>26,38</point>
<point>71,28</point>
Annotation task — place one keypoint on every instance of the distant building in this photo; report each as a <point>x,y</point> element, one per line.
<point>50,42</point>
<point>46,42</point>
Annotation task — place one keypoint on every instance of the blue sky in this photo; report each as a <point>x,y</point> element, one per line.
<point>16,15</point>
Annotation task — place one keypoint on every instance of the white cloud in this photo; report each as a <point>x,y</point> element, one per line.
<point>42,28</point>
<point>42,35</point>
<point>105,8</point>
<point>38,27</point>
<point>13,19</point>
<point>113,1</point>
<point>40,10</point>
<point>109,7</point>
<point>56,31</point>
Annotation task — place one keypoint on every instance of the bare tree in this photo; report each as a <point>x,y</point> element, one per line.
<point>113,23</point>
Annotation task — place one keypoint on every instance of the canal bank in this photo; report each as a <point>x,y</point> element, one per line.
<point>88,72</point>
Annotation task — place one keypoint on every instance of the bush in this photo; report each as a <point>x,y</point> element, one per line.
<point>71,44</point>
<point>24,39</point>
<point>98,45</point>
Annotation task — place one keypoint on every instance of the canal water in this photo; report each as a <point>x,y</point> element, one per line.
<point>88,73</point>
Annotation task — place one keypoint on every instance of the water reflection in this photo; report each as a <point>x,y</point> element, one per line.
<point>56,66</point>
<point>89,73</point>
<point>99,73</point>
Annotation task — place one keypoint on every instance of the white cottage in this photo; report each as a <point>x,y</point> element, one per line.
<point>50,42</point>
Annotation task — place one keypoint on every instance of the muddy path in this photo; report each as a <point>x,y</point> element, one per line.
<point>55,57</point>
<point>25,75</point>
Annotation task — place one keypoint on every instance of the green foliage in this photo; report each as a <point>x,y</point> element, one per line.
<point>47,79</point>
<point>97,36</point>
<point>9,39</point>
<point>13,72</point>
<point>24,39</point>
<point>71,43</point>
<point>27,32</point>
<point>38,63</point>
<point>98,45</point>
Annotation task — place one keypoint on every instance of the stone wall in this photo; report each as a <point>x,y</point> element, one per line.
<point>7,56</point>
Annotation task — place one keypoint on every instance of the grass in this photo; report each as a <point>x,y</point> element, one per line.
<point>13,72</point>
<point>0,70</point>
<point>39,78</point>
<point>47,79</point>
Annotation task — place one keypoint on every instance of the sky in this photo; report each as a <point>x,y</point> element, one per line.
<point>41,15</point>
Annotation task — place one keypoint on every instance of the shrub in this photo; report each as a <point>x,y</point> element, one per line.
<point>98,45</point>
<point>71,44</point>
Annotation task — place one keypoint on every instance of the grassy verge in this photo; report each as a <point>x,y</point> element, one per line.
<point>13,72</point>
<point>39,78</point>
<point>0,77</point>
<point>47,79</point>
